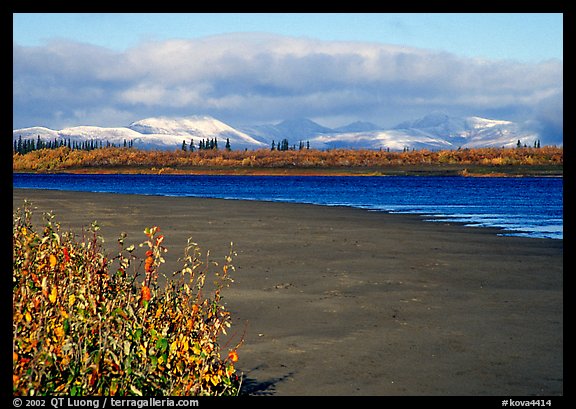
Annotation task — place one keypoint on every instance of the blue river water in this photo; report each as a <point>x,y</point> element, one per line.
<point>530,206</point>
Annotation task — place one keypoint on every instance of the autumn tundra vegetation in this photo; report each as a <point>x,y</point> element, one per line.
<point>86,322</point>
<point>132,160</point>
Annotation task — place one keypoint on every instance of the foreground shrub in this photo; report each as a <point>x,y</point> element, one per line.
<point>88,324</point>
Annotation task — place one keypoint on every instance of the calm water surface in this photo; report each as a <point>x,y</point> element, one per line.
<point>531,207</point>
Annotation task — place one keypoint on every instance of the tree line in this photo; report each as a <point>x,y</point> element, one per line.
<point>23,146</point>
<point>205,144</point>
<point>284,145</point>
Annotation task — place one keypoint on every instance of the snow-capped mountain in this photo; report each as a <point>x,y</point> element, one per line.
<point>194,128</point>
<point>33,132</point>
<point>394,140</point>
<point>151,133</point>
<point>294,130</point>
<point>469,132</point>
<point>434,131</point>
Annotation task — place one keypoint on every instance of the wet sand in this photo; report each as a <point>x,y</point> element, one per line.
<point>342,301</point>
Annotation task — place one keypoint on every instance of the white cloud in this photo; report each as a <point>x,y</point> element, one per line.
<point>255,77</point>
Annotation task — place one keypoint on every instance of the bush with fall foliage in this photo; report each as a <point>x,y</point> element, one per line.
<point>88,324</point>
<point>119,159</point>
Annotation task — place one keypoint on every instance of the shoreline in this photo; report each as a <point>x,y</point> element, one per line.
<point>469,170</point>
<point>427,218</point>
<point>343,301</point>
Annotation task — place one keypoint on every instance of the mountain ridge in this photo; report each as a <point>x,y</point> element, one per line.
<point>434,131</point>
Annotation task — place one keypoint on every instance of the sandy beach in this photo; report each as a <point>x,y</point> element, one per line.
<point>342,301</point>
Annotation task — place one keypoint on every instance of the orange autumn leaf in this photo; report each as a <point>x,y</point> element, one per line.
<point>233,355</point>
<point>148,265</point>
<point>53,260</point>
<point>146,294</point>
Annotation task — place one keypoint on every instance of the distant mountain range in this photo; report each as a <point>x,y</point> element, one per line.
<point>434,131</point>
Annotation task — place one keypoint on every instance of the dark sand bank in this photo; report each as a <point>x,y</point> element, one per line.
<point>342,301</point>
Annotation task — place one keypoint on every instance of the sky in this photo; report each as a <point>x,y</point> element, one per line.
<point>111,69</point>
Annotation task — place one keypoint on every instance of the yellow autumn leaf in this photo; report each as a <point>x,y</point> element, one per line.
<point>59,331</point>
<point>215,379</point>
<point>173,346</point>
<point>71,300</point>
<point>158,312</point>
<point>53,260</point>
<point>53,294</point>
<point>28,316</point>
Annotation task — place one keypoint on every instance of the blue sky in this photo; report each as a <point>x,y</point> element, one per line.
<point>113,69</point>
<point>522,36</point>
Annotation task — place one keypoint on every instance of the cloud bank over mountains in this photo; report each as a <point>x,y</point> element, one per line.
<point>248,78</point>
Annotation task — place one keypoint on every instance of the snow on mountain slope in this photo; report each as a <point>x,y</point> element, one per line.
<point>195,127</point>
<point>440,131</point>
<point>394,140</point>
<point>33,132</point>
<point>114,135</point>
<point>434,131</point>
<point>150,133</point>
<point>477,122</point>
